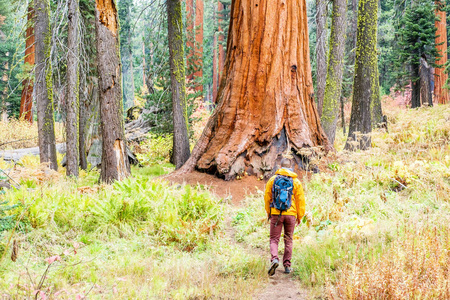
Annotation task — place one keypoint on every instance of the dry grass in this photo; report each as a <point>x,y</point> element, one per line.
<point>415,266</point>
<point>16,134</point>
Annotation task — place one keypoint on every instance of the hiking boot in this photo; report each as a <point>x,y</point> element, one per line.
<point>287,270</point>
<point>273,267</point>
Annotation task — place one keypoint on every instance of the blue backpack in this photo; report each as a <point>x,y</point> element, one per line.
<point>282,190</point>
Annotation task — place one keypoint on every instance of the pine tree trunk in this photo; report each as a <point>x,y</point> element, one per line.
<point>181,150</point>
<point>26,101</point>
<point>126,52</point>
<point>335,70</point>
<point>44,88</point>
<point>441,94</point>
<point>73,86</point>
<point>115,165</point>
<point>425,83</point>
<point>321,55</point>
<point>377,112</point>
<point>415,85</point>
<point>365,86</point>
<point>265,99</point>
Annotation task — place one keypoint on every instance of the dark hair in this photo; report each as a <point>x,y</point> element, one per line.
<point>286,163</point>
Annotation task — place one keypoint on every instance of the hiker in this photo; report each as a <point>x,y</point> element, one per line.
<point>285,206</point>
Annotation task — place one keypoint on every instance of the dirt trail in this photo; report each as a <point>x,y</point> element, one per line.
<point>282,286</point>
<point>278,286</point>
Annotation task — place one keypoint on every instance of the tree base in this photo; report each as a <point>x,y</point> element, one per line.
<point>264,160</point>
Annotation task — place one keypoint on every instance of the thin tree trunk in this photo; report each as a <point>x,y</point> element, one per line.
<point>335,70</point>
<point>115,165</point>
<point>126,52</point>
<point>221,40</point>
<point>26,102</point>
<point>181,150</point>
<point>415,85</point>
<point>365,87</point>
<point>73,88</point>
<point>425,83</point>
<point>199,44</point>
<point>44,88</point>
<point>441,94</point>
<point>265,99</point>
<point>321,54</point>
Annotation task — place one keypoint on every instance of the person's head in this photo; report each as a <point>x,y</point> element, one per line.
<point>286,163</point>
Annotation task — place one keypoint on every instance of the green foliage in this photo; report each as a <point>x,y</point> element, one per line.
<point>416,38</point>
<point>11,71</point>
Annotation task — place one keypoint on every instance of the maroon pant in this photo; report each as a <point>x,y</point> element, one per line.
<point>288,222</point>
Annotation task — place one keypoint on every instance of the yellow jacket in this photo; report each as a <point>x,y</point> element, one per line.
<point>298,204</point>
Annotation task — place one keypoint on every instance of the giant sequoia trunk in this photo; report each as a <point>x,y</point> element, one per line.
<point>181,150</point>
<point>265,100</point>
<point>335,70</point>
<point>73,82</point>
<point>115,165</point>
<point>321,54</point>
<point>440,77</point>
<point>365,83</point>
<point>26,101</point>
<point>126,52</point>
<point>44,88</point>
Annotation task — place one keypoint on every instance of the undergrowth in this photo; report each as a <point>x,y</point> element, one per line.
<point>378,212</point>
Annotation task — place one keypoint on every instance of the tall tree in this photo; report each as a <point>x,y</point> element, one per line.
<point>365,83</point>
<point>194,43</point>
<point>43,87</point>
<point>335,69</point>
<point>181,150</point>
<point>321,55</point>
<point>440,77</point>
<point>417,36</point>
<point>26,102</point>
<point>265,99</point>
<point>199,9</point>
<point>115,164</point>
<point>73,86</point>
<point>126,52</point>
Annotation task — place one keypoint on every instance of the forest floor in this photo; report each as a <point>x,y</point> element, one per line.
<point>379,226</point>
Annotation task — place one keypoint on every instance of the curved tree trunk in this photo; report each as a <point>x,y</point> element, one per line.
<point>115,165</point>
<point>73,86</point>
<point>181,149</point>
<point>335,70</point>
<point>321,53</point>
<point>26,101</point>
<point>440,77</point>
<point>44,88</point>
<point>365,86</point>
<point>265,99</point>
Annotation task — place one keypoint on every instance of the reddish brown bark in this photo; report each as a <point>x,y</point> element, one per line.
<point>265,99</point>
<point>194,43</point>
<point>26,102</point>
<point>440,78</point>
<point>199,42</point>
<point>215,71</point>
